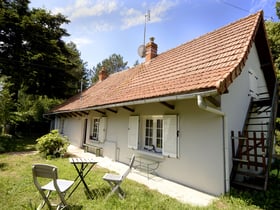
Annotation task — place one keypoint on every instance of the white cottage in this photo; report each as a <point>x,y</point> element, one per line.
<point>180,110</point>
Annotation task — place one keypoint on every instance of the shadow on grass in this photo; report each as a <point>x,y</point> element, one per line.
<point>3,166</point>
<point>99,192</point>
<point>25,144</point>
<point>75,207</point>
<point>268,199</point>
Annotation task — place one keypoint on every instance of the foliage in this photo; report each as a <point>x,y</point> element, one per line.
<point>112,65</point>
<point>52,144</point>
<point>273,31</point>
<point>277,144</point>
<point>33,53</point>
<point>41,68</point>
<point>26,113</point>
<point>7,104</point>
<point>273,35</point>
<point>7,143</point>
<point>32,107</point>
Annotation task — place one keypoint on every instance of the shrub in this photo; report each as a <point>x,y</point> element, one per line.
<point>52,144</point>
<point>7,143</point>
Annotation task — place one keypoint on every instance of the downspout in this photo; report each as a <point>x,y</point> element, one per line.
<point>202,105</point>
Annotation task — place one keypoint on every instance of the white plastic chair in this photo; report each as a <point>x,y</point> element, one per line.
<point>59,185</point>
<point>115,180</point>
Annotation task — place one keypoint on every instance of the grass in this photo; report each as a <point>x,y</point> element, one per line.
<point>17,190</point>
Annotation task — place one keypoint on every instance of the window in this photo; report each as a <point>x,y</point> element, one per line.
<point>61,126</point>
<point>157,134</point>
<point>153,134</point>
<point>98,129</point>
<point>95,129</point>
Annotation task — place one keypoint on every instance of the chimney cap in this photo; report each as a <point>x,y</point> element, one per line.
<point>152,39</point>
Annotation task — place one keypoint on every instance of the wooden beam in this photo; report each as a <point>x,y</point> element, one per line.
<point>84,112</point>
<point>170,106</point>
<point>112,110</point>
<point>100,112</point>
<point>129,109</point>
<point>79,114</point>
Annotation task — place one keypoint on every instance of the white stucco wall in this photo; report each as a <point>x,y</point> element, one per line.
<point>73,130</point>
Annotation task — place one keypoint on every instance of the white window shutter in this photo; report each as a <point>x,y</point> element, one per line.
<point>170,136</point>
<point>102,129</point>
<point>133,129</point>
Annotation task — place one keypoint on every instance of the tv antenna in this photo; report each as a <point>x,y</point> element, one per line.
<point>141,48</point>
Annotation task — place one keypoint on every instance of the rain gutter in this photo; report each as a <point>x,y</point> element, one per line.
<point>202,105</point>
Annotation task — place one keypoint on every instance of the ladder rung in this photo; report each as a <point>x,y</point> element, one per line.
<point>239,160</point>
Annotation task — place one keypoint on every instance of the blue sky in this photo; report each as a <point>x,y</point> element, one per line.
<point>100,28</point>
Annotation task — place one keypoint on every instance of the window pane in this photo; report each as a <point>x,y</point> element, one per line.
<point>95,129</point>
<point>149,132</point>
<point>159,133</point>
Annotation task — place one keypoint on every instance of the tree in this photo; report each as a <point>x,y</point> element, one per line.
<point>6,106</point>
<point>40,66</point>
<point>79,70</point>
<point>33,53</point>
<point>112,65</point>
<point>273,32</point>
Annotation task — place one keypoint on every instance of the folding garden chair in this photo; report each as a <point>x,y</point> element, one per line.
<point>115,180</point>
<point>49,172</point>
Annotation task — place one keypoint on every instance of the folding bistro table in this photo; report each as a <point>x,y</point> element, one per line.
<point>83,167</point>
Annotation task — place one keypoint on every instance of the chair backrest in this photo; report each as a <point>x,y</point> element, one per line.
<point>129,168</point>
<point>44,171</point>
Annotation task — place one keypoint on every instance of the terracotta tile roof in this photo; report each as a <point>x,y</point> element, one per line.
<point>209,62</point>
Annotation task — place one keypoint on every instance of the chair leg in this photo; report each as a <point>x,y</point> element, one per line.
<point>45,200</point>
<point>121,192</point>
<point>115,187</point>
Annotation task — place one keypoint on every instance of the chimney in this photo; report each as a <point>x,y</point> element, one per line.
<point>102,74</point>
<point>151,49</point>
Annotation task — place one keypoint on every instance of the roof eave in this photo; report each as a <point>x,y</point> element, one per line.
<point>176,97</point>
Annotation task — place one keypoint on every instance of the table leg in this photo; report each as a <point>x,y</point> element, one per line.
<point>82,175</point>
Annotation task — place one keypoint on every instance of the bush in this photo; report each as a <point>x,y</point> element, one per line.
<point>7,143</point>
<point>52,144</point>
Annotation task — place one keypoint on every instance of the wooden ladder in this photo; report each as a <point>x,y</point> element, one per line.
<point>249,161</point>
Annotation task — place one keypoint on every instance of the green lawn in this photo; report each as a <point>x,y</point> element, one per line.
<point>17,190</point>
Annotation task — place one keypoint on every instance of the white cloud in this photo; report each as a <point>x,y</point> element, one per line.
<point>102,26</point>
<point>81,41</point>
<point>158,11</point>
<point>86,8</point>
<point>111,14</point>
<point>132,17</point>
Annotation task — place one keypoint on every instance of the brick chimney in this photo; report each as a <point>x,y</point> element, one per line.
<point>102,74</point>
<point>151,49</point>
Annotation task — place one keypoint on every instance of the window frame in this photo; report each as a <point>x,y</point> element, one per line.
<point>100,130</point>
<point>149,133</point>
<point>94,130</point>
<point>170,135</point>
